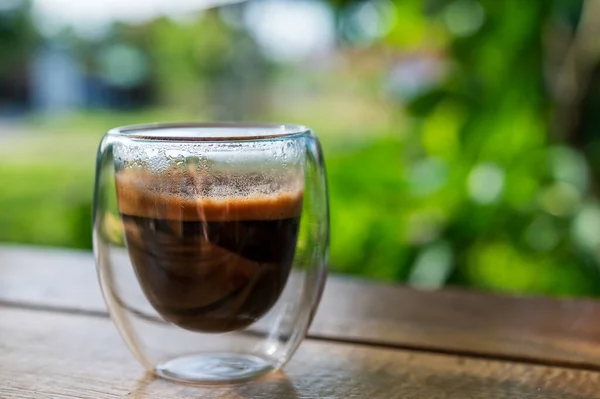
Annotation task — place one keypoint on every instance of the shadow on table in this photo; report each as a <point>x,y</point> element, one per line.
<point>404,381</point>
<point>276,385</point>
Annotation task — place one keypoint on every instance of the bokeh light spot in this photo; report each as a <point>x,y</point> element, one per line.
<point>568,165</point>
<point>428,176</point>
<point>369,20</point>
<point>291,30</point>
<point>542,235</point>
<point>123,66</point>
<point>464,17</point>
<point>586,227</point>
<point>432,267</point>
<point>486,183</point>
<point>559,199</point>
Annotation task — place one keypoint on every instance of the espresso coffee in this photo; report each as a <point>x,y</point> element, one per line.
<point>207,264</point>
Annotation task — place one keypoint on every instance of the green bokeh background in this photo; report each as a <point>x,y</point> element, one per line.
<point>481,171</point>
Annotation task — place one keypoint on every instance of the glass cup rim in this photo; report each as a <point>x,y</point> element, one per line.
<point>210,131</point>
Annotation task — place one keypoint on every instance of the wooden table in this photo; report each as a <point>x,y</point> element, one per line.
<point>368,340</point>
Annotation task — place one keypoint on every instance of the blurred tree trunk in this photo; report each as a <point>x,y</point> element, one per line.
<point>574,88</point>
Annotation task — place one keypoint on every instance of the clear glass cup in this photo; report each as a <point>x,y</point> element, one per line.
<point>211,243</point>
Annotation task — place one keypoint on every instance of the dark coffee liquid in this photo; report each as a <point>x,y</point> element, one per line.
<point>217,274</point>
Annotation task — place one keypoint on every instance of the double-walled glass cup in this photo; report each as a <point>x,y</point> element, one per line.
<point>211,243</point>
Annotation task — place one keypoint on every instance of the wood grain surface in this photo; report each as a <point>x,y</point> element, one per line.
<point>52,355</point>
<point>540,330</point>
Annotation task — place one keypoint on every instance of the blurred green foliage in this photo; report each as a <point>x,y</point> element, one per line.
<point>445,162</point>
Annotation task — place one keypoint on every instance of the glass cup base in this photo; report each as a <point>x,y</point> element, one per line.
<point>215,368</point>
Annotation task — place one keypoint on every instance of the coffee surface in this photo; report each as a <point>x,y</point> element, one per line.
<point>208,263</point>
